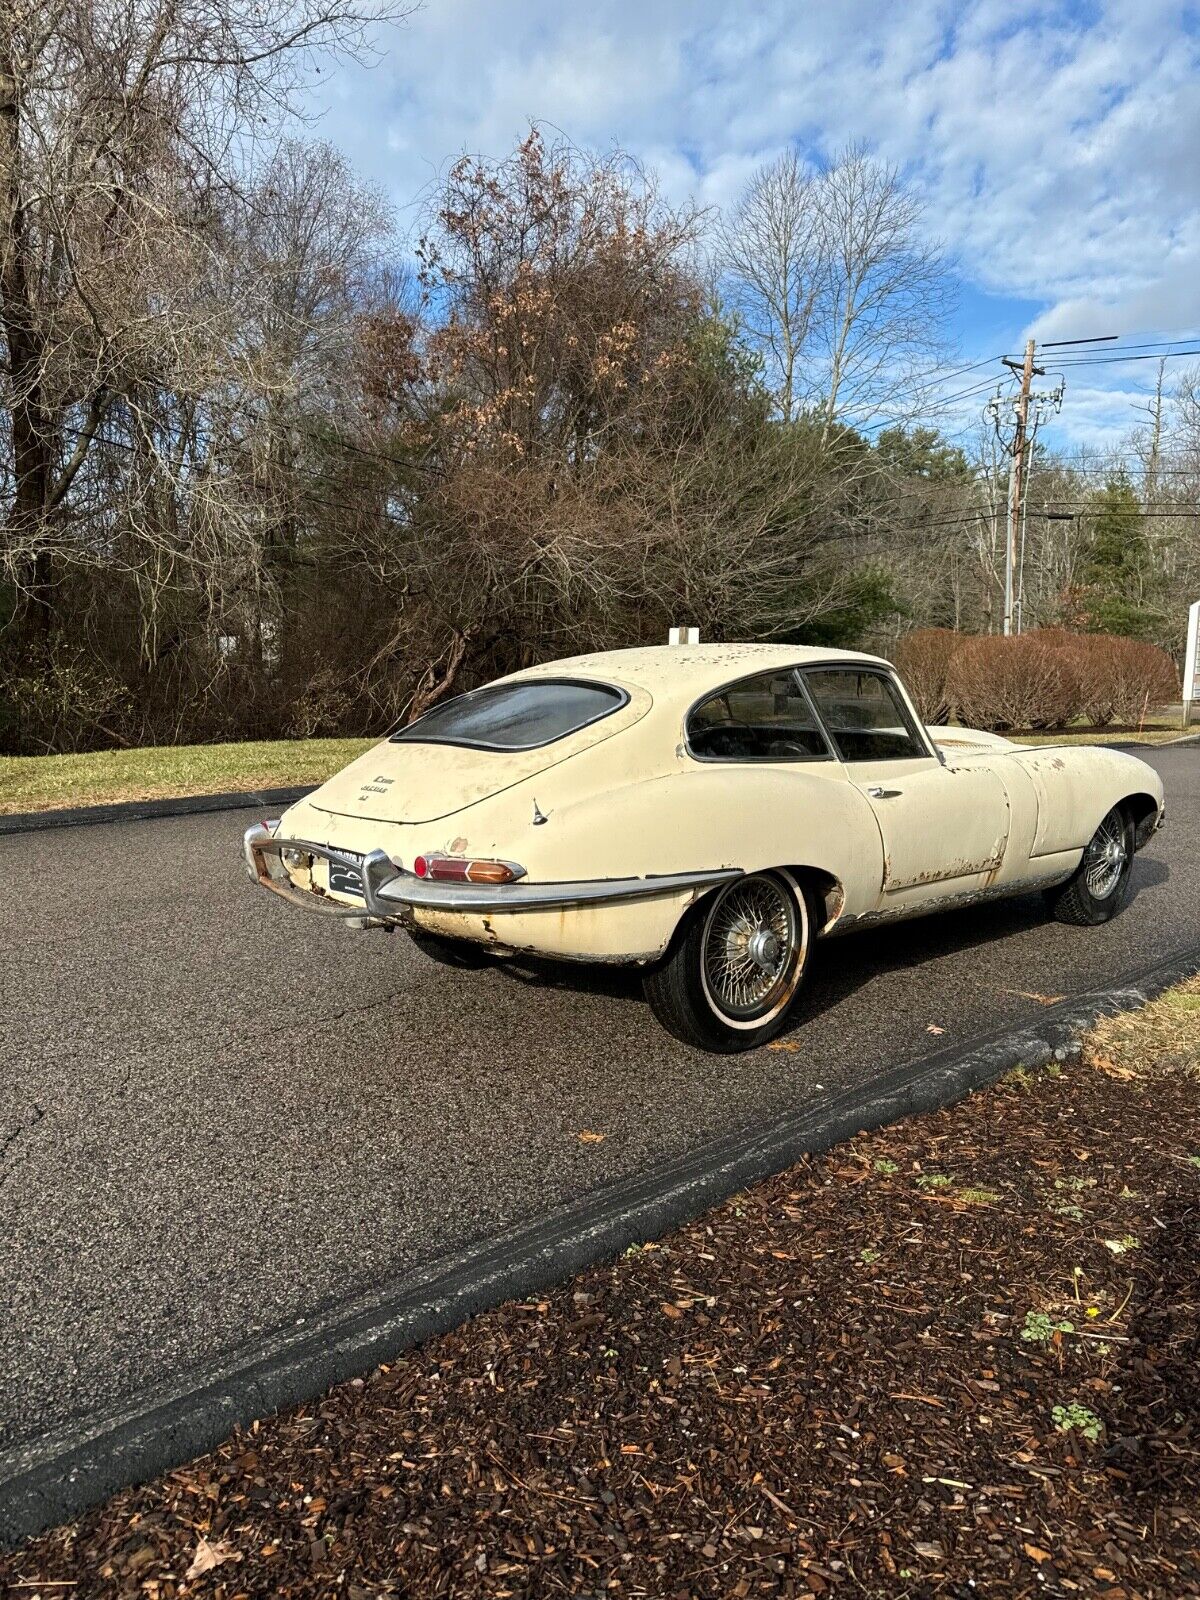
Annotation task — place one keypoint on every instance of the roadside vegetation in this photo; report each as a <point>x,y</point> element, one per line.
<point>1048,679</point>
<point>957,1356</point>
<point>1156,734</point>
<point>49,783</point>
<point>159,772</point>
<point>272,469</point>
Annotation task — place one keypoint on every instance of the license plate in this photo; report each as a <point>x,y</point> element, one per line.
<point>344,879</point>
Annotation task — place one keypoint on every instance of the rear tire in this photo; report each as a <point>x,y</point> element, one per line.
<point>1099,887</point>
<point>735,964</point>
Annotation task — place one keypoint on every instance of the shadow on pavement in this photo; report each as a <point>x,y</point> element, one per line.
<point>858,959</point>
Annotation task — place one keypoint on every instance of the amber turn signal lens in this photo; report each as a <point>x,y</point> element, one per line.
<point>490,872</point>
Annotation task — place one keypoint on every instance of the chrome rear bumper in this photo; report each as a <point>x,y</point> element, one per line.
<point>390,893</point>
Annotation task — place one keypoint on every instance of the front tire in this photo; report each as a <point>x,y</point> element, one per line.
<point>735,965</point>
<point>1099,886</point>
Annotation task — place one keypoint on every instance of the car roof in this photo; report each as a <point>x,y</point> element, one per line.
<point>685,671</point>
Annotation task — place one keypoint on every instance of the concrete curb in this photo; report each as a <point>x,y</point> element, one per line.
<point>56,1478</point>
<point>184,805</point>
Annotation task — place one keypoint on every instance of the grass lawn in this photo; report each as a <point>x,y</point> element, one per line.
<point>48,783</point>
<point>954,1357</point>
<point>1100,736</point>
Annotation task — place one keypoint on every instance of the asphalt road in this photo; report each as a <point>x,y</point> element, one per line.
<point>217,1115</point>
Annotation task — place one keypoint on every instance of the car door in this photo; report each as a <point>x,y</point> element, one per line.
<point>940,825</point>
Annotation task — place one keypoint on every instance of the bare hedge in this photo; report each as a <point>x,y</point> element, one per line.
<point>1124,679</point>
<point>1019,682</point>
<point>924,658</point>
<point>1045,679</point>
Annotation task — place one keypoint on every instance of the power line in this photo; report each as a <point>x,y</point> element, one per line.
<point>1108,361</point>
<point>930,381</point>
<point>1058,344</point>
<point>1076,508</point>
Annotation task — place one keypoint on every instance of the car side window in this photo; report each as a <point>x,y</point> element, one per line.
<point>767,718</point>
<point>864,714</point>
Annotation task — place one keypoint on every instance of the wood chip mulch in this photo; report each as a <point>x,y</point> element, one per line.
<point>957,1357</point>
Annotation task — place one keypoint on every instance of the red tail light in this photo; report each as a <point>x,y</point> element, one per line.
<point>460,869</point>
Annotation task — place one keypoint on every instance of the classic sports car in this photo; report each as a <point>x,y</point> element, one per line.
<point>704,812</point>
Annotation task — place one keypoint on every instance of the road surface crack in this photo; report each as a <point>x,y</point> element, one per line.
<point>7,1167</point>
<point>313,1023</point>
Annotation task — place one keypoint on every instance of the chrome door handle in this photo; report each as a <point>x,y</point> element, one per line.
<point>878,792</point>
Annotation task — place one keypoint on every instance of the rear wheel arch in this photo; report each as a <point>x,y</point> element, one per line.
<point>826,889</point>
<point>826,895</point>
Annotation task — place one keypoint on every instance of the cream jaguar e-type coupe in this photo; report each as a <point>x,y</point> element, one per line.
<point>704,812</point>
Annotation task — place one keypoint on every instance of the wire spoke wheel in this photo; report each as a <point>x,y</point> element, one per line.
<point>752,949</point>
<point>1105,857</point>
<point>1099,886</point>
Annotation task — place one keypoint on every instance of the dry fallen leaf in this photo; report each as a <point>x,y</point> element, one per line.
<point>586,1136</point>
<point>933,1028</point>
<point>669,1310</point>
<point>209,1556</point>
<point>1110,1069</point>
<point>789,1045</point>
<point>1036,1553</point>
<point>1032,994</point>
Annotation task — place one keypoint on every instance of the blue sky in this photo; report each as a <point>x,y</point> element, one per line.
<point>1056,146</point>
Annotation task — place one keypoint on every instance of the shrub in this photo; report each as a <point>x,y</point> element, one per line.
<point>71,704</point>
<point>1018,682</point>
<point>923,659</point>
<point>324,707</point>
<point>1139,676</point>
<point>1048,678</point>
<point>1120,679</point>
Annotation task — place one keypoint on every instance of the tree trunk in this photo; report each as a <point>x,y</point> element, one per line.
<point>31,432</point>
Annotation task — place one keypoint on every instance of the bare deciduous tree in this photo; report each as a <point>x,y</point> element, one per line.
<point>773,253</point>
<point>887,289</point>
<point>841,289</point>
<point>124,132</point>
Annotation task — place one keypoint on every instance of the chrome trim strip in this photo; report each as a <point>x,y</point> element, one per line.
<point>390,894</point>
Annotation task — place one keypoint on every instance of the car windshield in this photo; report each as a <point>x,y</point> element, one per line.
<point>514,716</point>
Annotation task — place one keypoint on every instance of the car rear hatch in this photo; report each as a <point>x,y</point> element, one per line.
<point>406,779</point>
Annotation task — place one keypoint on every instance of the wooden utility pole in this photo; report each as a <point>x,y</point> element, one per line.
<point>1015,477</point>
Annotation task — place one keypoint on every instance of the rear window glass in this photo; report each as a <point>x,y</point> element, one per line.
<point>514,716</point>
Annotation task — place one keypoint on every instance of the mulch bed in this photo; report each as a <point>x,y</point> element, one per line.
<point>957,1357</point>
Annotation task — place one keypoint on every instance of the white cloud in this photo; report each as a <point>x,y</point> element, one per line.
<point>1057,150</point>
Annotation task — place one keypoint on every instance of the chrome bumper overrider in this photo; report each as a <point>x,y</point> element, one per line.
<point>389,892</point>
